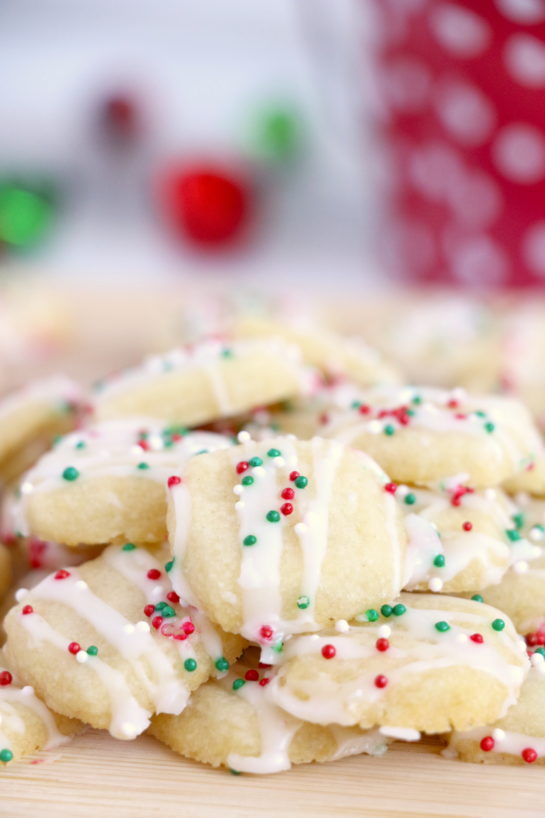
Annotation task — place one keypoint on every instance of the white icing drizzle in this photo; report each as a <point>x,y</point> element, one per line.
<point>400,733</point>
<point>505,741</point>
<point>49,391</point>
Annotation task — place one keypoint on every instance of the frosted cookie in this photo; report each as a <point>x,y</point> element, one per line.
<point>26,723</point>
<point>283,536</point>
<point>5,569</point>
<point>230,722</point>
<point>421,435</point>
<point>30,418</point>
<point>107,483</point>
<point>530,480</point>
<point>459,539</point>
<point>197,385</point>
<point>109,643</point>
<point>517,738</point>
<point>332,354</point>
<point>425,662</point>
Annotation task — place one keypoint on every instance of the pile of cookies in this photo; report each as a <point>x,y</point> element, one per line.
<point>265,550</point>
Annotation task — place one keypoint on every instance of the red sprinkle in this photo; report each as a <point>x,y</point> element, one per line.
<point>477,637</point>
<point>62,574</point>
<point>144,445</point>
<point>5,678</point>
<point>180,636</point>
<point>294,475</point>
<point>157,621</point>
<point>188,627</point>
<point>381,681</point>
<point>467,526</point>
<point>391,488</point>
<point>173,597</point>
<point>28,609</point>
<point>173,481</point>
<point>266,632</point>
<point>529,755</point>
<point>153,573</point>
<point>149,609</point>
<point>329,651</point>
<point>251,675</point>
<point>287,494</point>
<point>382,644</point>
<point>264,665</point>
<point>364,409</point>
<point>452,404</point>
<point>74,647</point>
<point>264,682</point>
<point>487,744</point>
<point>286,509</point>
<point>242,466</point>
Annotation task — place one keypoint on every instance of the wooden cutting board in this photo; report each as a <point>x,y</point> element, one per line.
<point>99,777</point>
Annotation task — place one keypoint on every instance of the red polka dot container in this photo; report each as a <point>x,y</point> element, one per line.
<point>462,108</point>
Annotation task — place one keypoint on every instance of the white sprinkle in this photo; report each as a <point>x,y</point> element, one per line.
<point>82,656</point>
<point>20,594</point>
<point>244,437</point>
<point>342,626</point>
<point>155,442</point>
<point>258,471</point>
<point>498,734</point>
<point>26,487</point>
<point>490,494</point>
<point>156,592</point>
<point>462,638</point>
<point>279,462</point>
<point>384,631</point>
<point>142,626</point>
<point>402,490</point>
<point>536,659</point>
<point>520,567</point>
<point>300,528</point>
<point>536,534</point>
<point>240,505</point>
<point>435,584</point>
<point>27,690</point>
<point>129,730</point>
<point>238,489</point>
<point>314,637</point>
<point>128,628</point>
<point>375,427</point>
<point>81,585</point>
<point>136,451</point>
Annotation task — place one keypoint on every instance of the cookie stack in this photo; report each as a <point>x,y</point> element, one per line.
<point>267,550</point>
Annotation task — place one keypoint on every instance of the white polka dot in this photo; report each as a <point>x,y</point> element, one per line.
<point>525,60</point>
<point>433,168</point>
<point>465,112</point>
<point>415,247</point>
<point>475,199</point>
<point>406,84</point>
<point>479,261</point>
<point>459,31</point>
<point>523,11</point>
<point>519,153</point>
<point>533,251</point>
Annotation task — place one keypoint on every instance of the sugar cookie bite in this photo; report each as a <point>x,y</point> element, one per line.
<point>281,536</point>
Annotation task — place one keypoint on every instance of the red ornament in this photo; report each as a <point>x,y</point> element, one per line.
<point>188,627</point>
<point>157,621</point>
<point>487,744</point>
<point>294,475</point>
<point>62,574</point>
<point>28,609</point>
<point>391,488</point>
<point>153,573</point>
<point>207,204</point>
<point>264,682</point>
<point>467,526</point>
<point>329,651</point>
<point>119,116</point>
<point>149,609</point>
<point>266,632</point>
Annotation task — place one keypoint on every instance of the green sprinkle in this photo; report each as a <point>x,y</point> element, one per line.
<point>70,474</point>
<point>518,520</point>
<point>372,615</point>
<point>498,624</point>
<point>399,609</point>
<point>303,602</point>
<point>161,605</point>
<point>168,612</point>
<point>129,546</point>
<point>251,539</point>
<point>442,626</point>
<point>410,499</point>
<point>417,400</point>
<point>477,598</point>
<point>411,413</point>
<point>227,353</point>
<point>355,404</point>
<point>386,610</point>
<point>301,482</point>
<point>247,480</point>
<point>169,566</point>
<point>143,466</point>
<point>238,683</point>
<point>56,440</point>
<point>81,444</point>
<point>234,772</point>
<point>6,755</point>
<point>389,430</point>
<point>256,461</point>
<point>273,516</point>
<point>190,665</point>
<point>222,664</point>
<point>480,413</point>
<point>489,427</point>
<point>92,650</point>
<point>541,651</point>
<point>439,561</point>
<point>279,647</point>
<point>274,453</point>
<point>513,534</point>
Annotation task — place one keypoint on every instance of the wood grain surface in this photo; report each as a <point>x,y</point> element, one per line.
<point>96,776</point>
